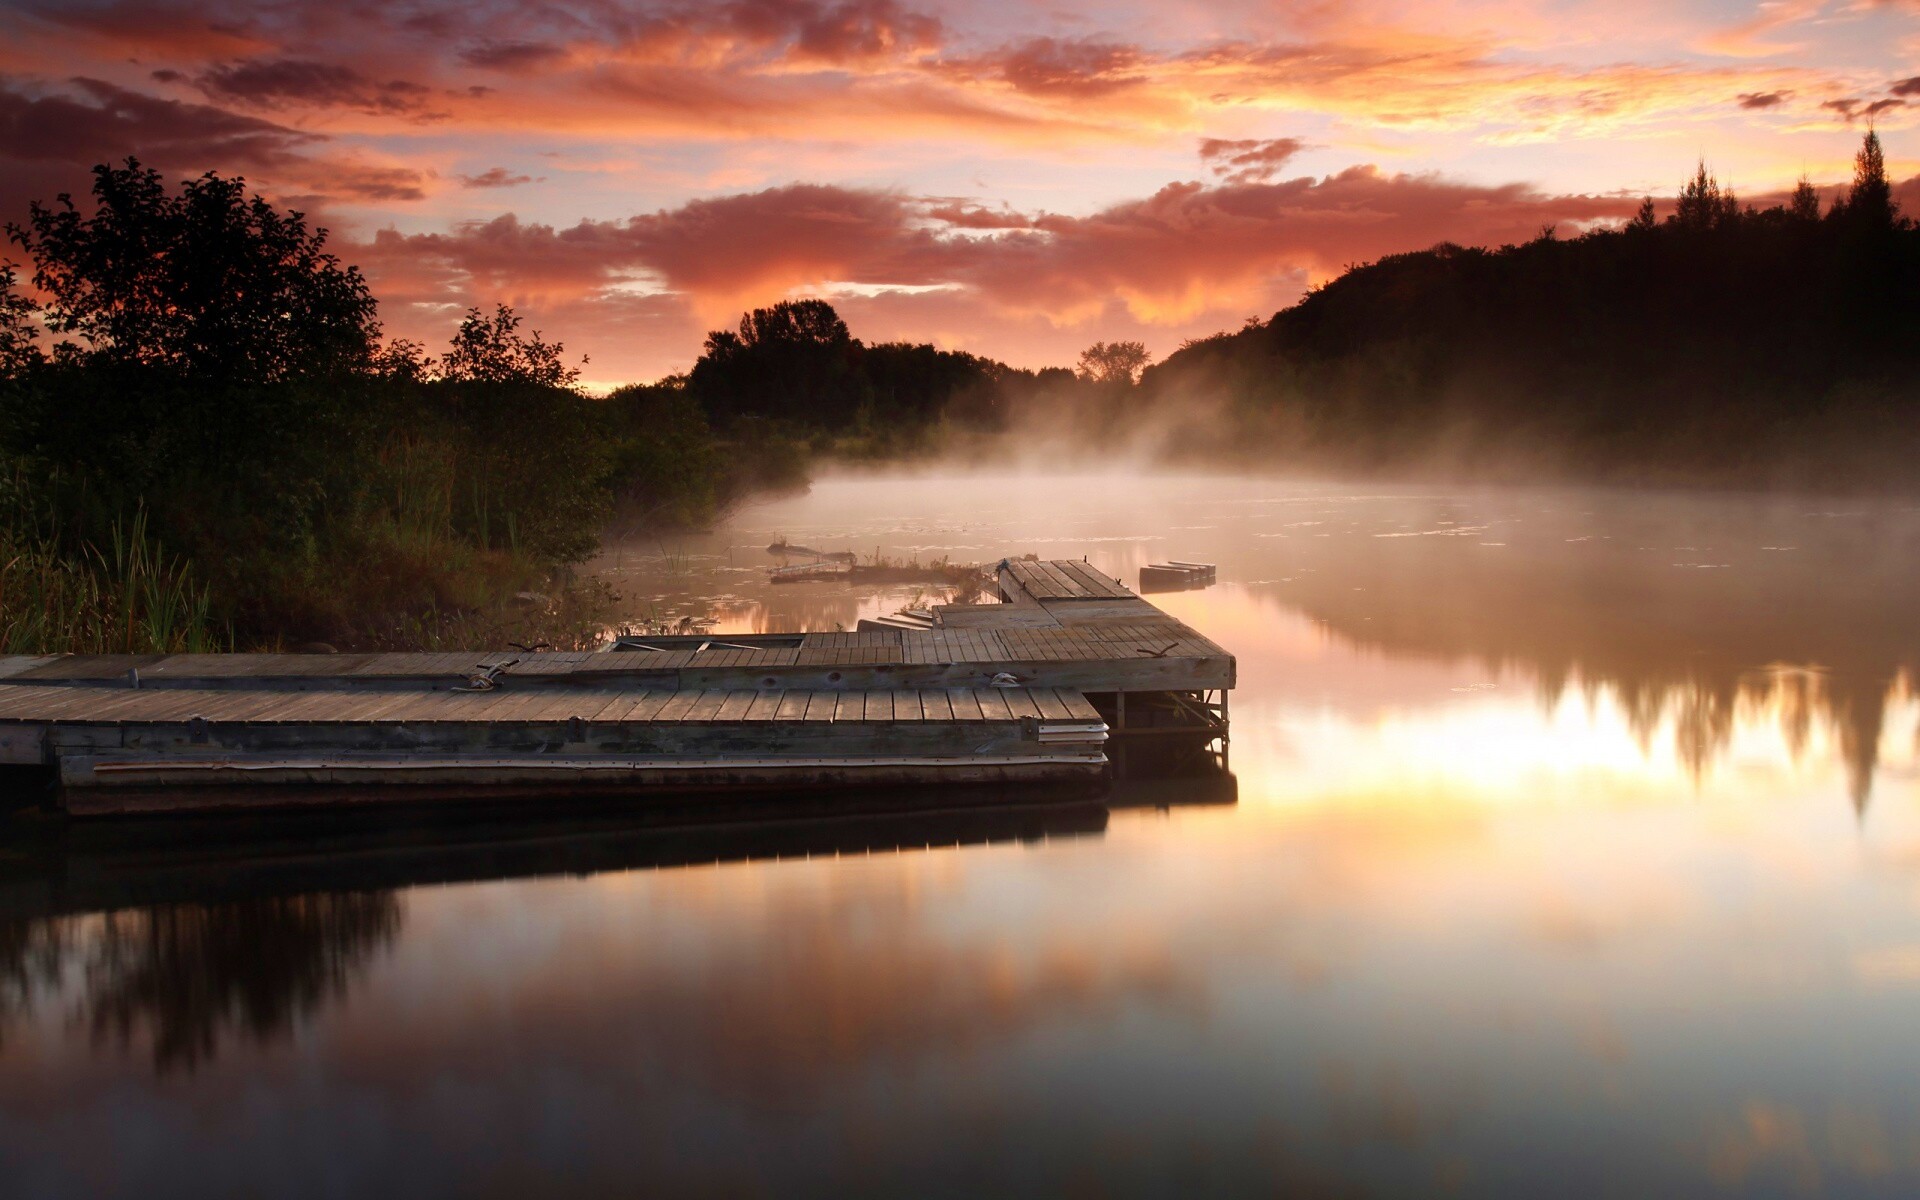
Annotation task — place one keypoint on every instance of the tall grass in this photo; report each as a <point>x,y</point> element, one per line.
<point>414,553</point>
<point>126,597</point>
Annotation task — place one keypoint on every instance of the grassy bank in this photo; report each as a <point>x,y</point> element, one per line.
<point>126,597</point>
<point>424,531</point>
<point>452,515</point>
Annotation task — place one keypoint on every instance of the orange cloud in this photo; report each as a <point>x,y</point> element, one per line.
<point>1187,252</point>
<point>1753,38</point>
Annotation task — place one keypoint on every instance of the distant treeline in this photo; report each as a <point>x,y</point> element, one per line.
<point>1718,344</point>
<point>794,376</point>
<point>1721,344</point>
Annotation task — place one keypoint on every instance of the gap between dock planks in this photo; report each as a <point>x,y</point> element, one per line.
<point>1096,583</point>
<point>1064,579</point>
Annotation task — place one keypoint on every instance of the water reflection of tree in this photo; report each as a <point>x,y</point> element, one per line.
<point>187,976</point>
<point>1704,711</point>
<point>1690,612</point>
<point>31,954</point>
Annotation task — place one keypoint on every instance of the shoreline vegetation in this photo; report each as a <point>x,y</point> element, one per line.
<point>207,443</point>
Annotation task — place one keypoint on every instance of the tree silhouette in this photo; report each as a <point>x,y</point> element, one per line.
<point>1805,203</point>
<point>1703,204</point>
<point>492,350</point>
<point>794,322</point>
<point>796,364</point>
<point>793,362</point>
<point>18,348</point>
<point>1113,362</point>
<point>206,361</point>
<point>1870,203</point>
<point>210,284</point>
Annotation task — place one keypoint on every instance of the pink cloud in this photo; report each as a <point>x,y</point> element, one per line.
<point>151,27</point>
<point>1071,69</point>
<point>1248,160</point>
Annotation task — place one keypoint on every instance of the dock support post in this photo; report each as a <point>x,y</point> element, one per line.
<point>1226,729</point>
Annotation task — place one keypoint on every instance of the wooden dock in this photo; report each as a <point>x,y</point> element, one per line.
<point>1023,693</point>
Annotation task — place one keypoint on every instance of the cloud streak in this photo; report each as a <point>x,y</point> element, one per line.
<point>50,141</point>
<point>292,83</point>
<point>99,121</point>
<point>1248,160</point>
<point>494,177</point>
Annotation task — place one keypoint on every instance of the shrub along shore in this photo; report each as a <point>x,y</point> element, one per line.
<point>205,444</point>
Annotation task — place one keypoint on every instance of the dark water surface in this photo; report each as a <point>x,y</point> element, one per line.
<point>1576,851</point>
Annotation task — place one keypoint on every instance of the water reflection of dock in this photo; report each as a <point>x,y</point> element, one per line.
<point>1022,694</point>
<point>71,869</point>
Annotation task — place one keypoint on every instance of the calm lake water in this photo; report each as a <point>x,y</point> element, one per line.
<point>1576,851</point>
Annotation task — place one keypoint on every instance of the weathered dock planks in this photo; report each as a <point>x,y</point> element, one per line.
<point>50,705</point>
<point>994,694</point>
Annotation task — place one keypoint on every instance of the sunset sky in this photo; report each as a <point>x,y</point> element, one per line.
<point>1013,180</point>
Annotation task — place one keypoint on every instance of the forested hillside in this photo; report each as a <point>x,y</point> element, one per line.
<point>1721,344</point>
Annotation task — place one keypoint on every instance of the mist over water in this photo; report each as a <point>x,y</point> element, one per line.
<point>1684,614</point>
<point>1575,840</point>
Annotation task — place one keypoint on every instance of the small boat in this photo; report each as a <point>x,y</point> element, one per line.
<point>1176,576</point>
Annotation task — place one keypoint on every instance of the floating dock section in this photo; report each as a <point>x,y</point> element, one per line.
<point>1044,692</point>
<point>1176,576</point>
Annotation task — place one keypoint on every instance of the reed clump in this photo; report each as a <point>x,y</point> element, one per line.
<point>125,597</point>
